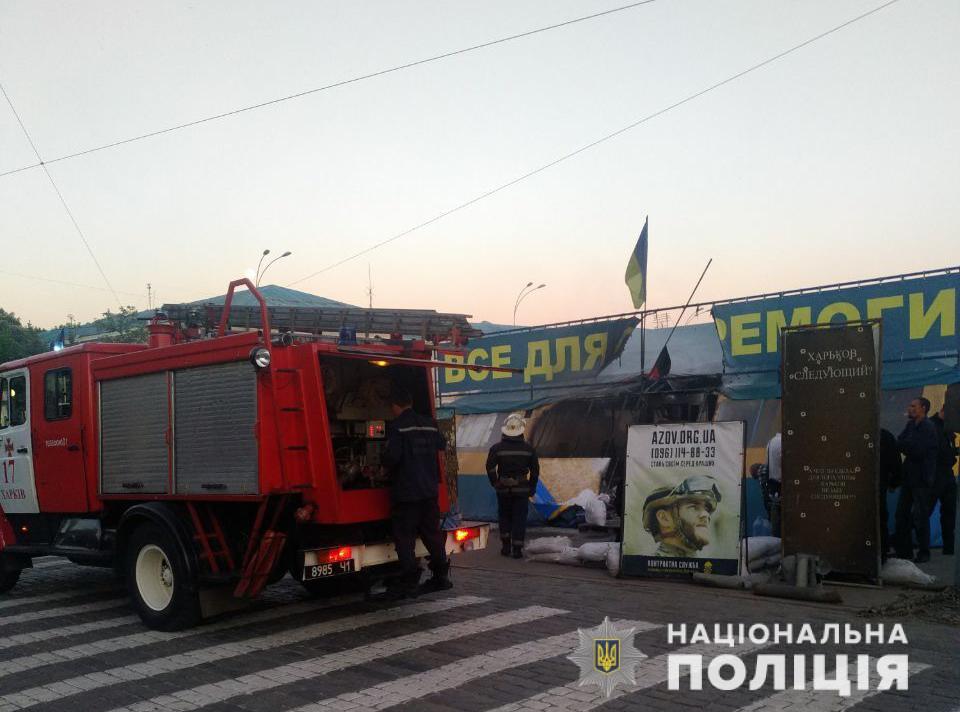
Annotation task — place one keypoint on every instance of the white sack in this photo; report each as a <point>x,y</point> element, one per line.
<point>613,558</point>
<point>583,498</point>
<point>760,547</point>
<point>547,545</point>
<point>594,551</point>
<point>904,571</point>
<point>567,555</point>
<point>596,512</point>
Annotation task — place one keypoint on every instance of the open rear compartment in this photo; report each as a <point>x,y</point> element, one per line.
<point>357,397</point>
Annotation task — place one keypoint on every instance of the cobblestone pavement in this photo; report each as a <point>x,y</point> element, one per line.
<point>497,641</point>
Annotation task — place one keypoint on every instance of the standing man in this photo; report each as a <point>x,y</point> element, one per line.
<point>413,446</point>
<point>945,485</point>
<point>918,444</point>
<point>889,475</point>
<point>513,469</point>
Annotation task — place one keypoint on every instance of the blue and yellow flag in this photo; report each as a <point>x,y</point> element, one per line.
<point>636,277</point>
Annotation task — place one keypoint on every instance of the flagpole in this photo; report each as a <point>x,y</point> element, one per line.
<point>643,347</point>
<point>690,299</point>
<point>646,291</point>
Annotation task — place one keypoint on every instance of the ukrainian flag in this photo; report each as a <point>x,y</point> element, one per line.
<point>636,277</point>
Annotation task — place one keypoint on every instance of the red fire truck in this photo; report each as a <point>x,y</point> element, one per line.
<point>221,457</point>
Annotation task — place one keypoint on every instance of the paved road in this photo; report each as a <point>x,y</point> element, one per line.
<point>498,641</point>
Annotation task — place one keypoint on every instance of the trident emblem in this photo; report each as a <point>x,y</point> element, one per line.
<point>607,655</point>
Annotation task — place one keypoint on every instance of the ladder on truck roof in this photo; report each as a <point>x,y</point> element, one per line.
<point>422,323</point>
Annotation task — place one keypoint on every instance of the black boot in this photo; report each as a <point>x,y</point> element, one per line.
<point>440,581</point>
<point>402,587</point>
<point>505,546</point>
<point>518,551</point>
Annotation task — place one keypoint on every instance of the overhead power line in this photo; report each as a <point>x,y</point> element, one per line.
<point>65,282</point>
<point>63,202</point>
<point>327,87</point>
<point>599,141</point>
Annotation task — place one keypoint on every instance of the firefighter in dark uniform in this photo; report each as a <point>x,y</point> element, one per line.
<point>513,469</point>
<point>413,444</point>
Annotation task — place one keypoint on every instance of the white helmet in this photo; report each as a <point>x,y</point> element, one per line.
<point>513,425</point>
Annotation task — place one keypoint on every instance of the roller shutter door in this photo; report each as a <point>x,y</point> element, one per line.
<point>215,411</point>
<point>134,456</point>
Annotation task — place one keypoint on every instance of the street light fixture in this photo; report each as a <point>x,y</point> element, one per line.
<point>285,254</point>
<point>256,279</point>
<point>523,295</point>
<point>517,301</point>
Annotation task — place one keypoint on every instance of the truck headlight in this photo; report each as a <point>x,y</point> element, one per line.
<point>260,357</point>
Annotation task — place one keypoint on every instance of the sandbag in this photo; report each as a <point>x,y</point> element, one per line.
<point>567,555</point>
<point>760,547</point>
<point>593,505</point>
<point>582,498</point>
<point>594,551</point>
<point>770,562</point>
<point>547,545</point>
<point>596,512</point>
<point>613,558</point>
<point>904,571</point>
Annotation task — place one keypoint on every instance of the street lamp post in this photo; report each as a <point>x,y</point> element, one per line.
<point>256,280</point>
<point>523,295</point>
<point>285,254</point>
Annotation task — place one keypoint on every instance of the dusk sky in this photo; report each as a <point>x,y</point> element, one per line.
<point>837,162</point>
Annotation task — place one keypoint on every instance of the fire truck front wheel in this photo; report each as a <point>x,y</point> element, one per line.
<point>158,579</point>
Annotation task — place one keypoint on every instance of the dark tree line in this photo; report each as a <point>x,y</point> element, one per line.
<point>17,340</point>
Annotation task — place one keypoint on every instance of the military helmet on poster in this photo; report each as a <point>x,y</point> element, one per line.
<point>696,487</point>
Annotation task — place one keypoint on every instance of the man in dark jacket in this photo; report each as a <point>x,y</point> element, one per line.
<point>918,444</point>
<point>945,485</point>
<point>413,446</point>
<point>513,469</point>
<point>888,479</point>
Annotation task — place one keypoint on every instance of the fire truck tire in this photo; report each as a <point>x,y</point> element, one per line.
<point>160,586</point>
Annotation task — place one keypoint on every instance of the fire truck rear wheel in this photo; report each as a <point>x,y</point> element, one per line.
<point>159,581</point>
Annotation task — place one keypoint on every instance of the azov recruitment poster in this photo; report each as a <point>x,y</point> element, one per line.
<point>683,496</point>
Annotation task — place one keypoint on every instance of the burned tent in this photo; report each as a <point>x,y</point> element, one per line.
<point>579,424</point>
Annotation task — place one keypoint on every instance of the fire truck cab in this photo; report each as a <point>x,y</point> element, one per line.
<point>227,460</point>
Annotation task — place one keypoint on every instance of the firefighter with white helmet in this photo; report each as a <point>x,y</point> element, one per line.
<point>679,517</point>
<point>513,469</point>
